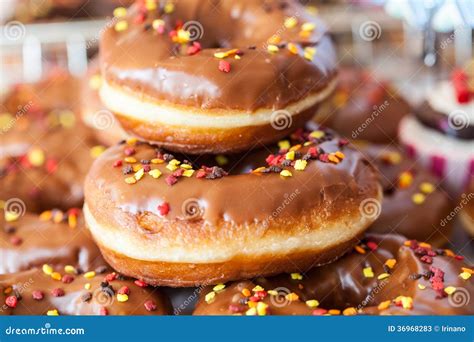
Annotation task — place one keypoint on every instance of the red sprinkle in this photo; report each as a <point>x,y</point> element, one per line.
<point>124,290</point>
<point>458,257</point>
<point>224,66</point>
<point>178,173</point>
<point>111,277</point>
<point>129,151</point>
<point>372,245</point>
<point>319,312</point>
<point>103,311</point>
<point>51,165</point>
<point>200,174</point>
<point>118,163</point>
<point>37,295</point>
<point>427,259</point>
<point>234,308</point>
<point>150,305</point>
<point>67,279</point>
<point>194,49</point>
<point>171,180</point>
<point>16,240</point>
<point>11,301</point>
<point>140,283</point>
<point>164,208</point>
<point>57,292</point>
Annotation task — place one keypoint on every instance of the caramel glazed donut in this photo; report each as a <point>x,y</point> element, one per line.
<point>384,275</point>
<point>168,221</point>
<point>234,74</point>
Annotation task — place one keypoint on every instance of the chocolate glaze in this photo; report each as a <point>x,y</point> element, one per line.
<point>399,213</point>
<point>239,197</point>
<point>438,121</point>
<point>364,108</point>
<point>145,62</point>
<point>42,117</point>
<point>342,284</point>
<point>31,241</point>
<point>100,299</point>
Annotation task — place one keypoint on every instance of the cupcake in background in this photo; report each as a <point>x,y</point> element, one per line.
<point>440,134</point>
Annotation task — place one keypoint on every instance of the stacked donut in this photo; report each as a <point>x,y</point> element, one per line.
<point>220,180</point>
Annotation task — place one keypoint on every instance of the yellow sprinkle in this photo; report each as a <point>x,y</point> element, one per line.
<point>262,308</point>
<point>36,157</point>
<point>58,216</point>
<point>272,48</point>
<point>383,276</point>
<point>131,141</point>
<point>360,250</point>
<point>120,12</point>
<point>219,287</point>
<point>317,134</point>
<point>300,164</point>
<point>122,297</point>
<point>56,275</point>
<point>130,160</point>
<point>384,305</point>
<point>46,215</point>
<point>290,22</point>
<point>11,216</point>
<point>427,188</point>
<point>449,253</point>
<point>171,167</point>
<point>312,303</point>
<point>467,270</point>
<point>210,297</point>
<point>186,166</point>
<point>87,286</point>
<point>465,275</point>
<point>284,145</point>
<point>188,173</point>
<point>169,8</point>
<point>393,158</point>
<point>292,48</point>
<point>251,312</point>
<point>259,169</point>
<point>220,55</point>
<point>450,290</point>
<point>333,158</point>
<point>89,275</point>
<point>291,297</point>
<point>405,179</point>
<point>52,312</point>
<point>349,311</point>
<point>221,160</point>
<point>334,312</point>
<point>421,286</point>
<point>237,57</point>
<point>67,119</point>
<point>157,161</point>
<point>121,26</point>
<point>390,263</point>
<point>290,155</point>
<point>97,151</point>
<point>69,269</point>
<point>286,173</point>
<point>246,292</point>
<point>418,198</point>
<point>424,245</point>
<point>155,173</point>
<point>368,273</point>
<point>139,174</point>
<point>407,302</point>
<point>339,154</point>
<point>309,53</point>
<point>72,221</point>
<point>150,5</point>
<point>275,39</point>
<point>182,37</point>
<point>130,180</point>
<point>47,269</point>
<point>174,162</point>
<point>308,27</point>
<point>257,288</point>
<point>272,292</point>
<point>157,23</point>
<point>296,276</point>
<point>295,147</point>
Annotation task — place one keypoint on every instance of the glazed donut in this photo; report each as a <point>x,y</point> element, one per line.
<point>215,77</point>
<point>467,203</point>
<point>45,151</point>
<point>441,133</point>
<point>105,127</point>
<point>54,237</point>
<point>364,108</point>
<point>36,292</point>
<point>414,205</point>
<point>170,221</point>
<point>384,275</point>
